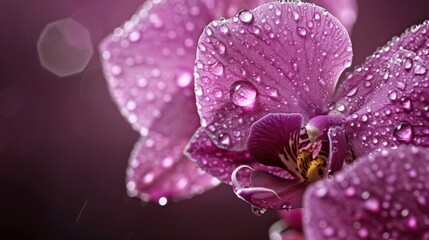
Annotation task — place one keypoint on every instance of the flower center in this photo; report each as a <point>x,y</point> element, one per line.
<point>312,159</point>
<point>311,169</point>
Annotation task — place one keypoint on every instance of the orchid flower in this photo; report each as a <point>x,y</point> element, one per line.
<point>275,119</point>
<point>148,63</point>
<point>382,196</point>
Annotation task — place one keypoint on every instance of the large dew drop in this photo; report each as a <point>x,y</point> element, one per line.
<point>403,132</point>
<point>258,211</point>
<point>243,93</point>
<point>245,16</point>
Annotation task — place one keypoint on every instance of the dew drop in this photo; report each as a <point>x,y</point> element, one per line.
<point>258,211</point>
<point>406,104</point>
<point>372,205</point>
<point>134,36</point>
<point>225,139</point>
<point>352,92</point>
<point>224,29</point>
<point>295,15</point>
<point>403,132</point>
<point>408,64</point>
<point>317,16</point>
<point>426,111</point>
<point>302,32</point>
<point>392,96</point>
<point>243,93</point>
<point>340,107</point>
<point>217,68</point>
<point>419,69</point>
<point>245,16</point>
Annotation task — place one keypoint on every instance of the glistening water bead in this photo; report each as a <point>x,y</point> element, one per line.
<point>403,132</point>
<point>243,93</point>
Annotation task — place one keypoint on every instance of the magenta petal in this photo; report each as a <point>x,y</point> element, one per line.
<point>221,163</point>
<point>271,59</point>
<point>345,10</point>
<point>149,65</point>
<point>397,111</point>
<point>274,140</point>
<point>338,150</point>
<point>384,196</point>
<point>264,190</point>
<point>159,169</point>
<point>358,87</point>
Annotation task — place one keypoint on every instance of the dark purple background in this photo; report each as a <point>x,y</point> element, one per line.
<point>64,143</point>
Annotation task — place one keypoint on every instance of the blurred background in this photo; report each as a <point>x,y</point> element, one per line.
<point>64,146</point>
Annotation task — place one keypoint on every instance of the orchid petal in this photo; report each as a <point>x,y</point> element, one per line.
<point>267,60</point>
<point>338,150</point>
<point>359,85</point>
<point>221,163</point>
<point>345,10</point>
<point>275,140</point>
<point>158,169</point>
<point>148,65</point>
<point>383,196</point>
<point>264,190</point>
<point>397,111</point>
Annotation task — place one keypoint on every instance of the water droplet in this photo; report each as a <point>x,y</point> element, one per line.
<point>340,107</point>
<point>198,90</point>
<point>352,92</point>
<point>295,16</point>
<point>221,48</point>
<point>134,36</point>
<point>406,104</point>
<point>217,68</point>
<point>403,132</point>
<point>426,111</point>
<point>392,96</point>
<point>419,69</point>
<point>302,32</point>
<point>317,16</point>
<point>156,20</point>
<point>225,139</point>
<point>372,205</point>
<point>408,64</point>
<point>224,29</point>
<point>243,93</point>
<point>258,211</point>
<point>245,16</point>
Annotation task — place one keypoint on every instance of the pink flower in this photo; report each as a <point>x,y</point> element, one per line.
<point>148,63</point>
<point>275,119</point>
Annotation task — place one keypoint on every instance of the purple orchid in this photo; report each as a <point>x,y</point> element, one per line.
<point>275,118</point>
<point>148,64</point>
